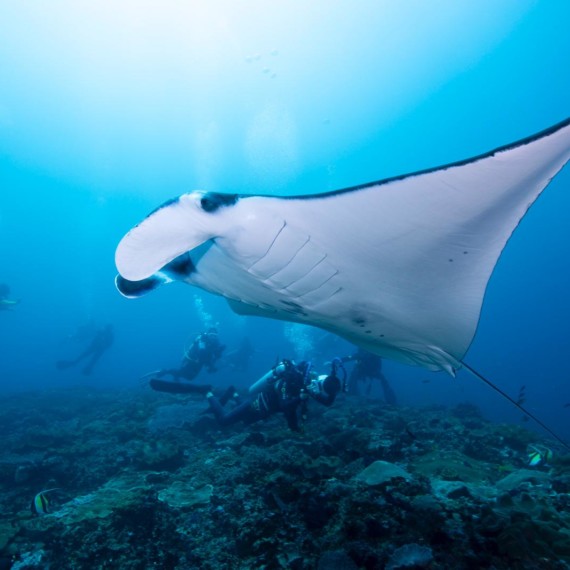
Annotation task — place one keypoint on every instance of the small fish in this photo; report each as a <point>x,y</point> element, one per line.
<point>534,458</point>
<point>40,503</point>
<point>539,456</point>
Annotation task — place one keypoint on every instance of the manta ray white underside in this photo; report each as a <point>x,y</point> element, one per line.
<point>399,266</point>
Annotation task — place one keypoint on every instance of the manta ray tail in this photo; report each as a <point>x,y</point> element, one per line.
<point>516,404</point>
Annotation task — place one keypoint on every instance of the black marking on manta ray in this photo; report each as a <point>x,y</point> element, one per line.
<point>212,201</point>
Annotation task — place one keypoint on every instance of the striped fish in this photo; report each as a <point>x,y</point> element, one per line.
<point>40,503</point>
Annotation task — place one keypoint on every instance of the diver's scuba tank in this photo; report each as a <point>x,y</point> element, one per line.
<point>268,378</point>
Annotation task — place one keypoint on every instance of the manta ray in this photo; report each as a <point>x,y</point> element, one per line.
<point>399,266</point>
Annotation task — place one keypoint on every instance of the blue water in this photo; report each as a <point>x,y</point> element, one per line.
<point>107,110</point>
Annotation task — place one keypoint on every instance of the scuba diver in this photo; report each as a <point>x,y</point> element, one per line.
<point>368,366</point>
<point>5,303</point>
<point>101,341</point>
<point>286,388</point>
<point>204,351</point>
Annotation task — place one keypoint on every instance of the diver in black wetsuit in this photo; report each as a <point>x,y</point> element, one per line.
<point>368,366</point>
<point>102,340</point>
<point>284,389</point>
<point>204,351</point>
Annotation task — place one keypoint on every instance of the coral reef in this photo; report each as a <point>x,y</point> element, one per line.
<point>145,480</point>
